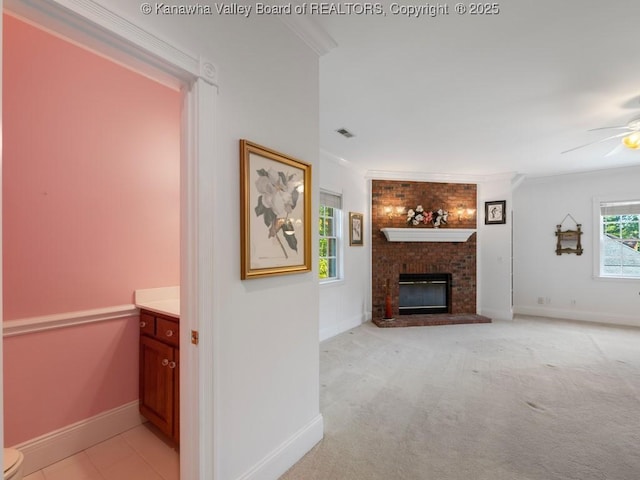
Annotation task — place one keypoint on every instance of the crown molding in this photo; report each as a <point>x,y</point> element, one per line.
<point>84,22</point>
<point>550,178</point>
<point>324,155</point>
<point>310,32</point>
<point>437,177</point>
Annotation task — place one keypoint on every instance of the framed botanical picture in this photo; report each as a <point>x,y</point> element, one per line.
<point>495,212</point>
<point>356,229</point>
<point>275,212</point>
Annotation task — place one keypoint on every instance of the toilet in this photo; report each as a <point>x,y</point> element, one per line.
<point>13,460</point>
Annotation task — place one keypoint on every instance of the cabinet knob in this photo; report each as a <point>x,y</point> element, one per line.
<point>169,333</point>
<point>165,362</point>
<point>143,324</point>
<point>172,364</point>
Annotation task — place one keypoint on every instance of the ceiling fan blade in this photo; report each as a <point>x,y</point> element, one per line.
<point>616,150</point>
<point>621,127</point>
<point>597,141</point>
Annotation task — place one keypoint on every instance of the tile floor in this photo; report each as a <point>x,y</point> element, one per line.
<point>137,454</point>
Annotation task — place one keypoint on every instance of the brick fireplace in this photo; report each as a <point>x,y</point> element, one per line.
<point>424,293</point>
<point>391,259</point>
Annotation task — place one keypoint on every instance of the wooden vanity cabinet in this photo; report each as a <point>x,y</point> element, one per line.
<point>159,372</point>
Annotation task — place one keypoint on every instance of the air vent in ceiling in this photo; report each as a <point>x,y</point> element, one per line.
<point>345,133</point>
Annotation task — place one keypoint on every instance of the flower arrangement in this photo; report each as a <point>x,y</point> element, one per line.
<point>420,215</point>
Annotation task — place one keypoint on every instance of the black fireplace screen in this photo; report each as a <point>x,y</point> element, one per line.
<point>424,293</point>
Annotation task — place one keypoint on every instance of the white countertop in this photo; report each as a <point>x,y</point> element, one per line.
<point>164,300</point>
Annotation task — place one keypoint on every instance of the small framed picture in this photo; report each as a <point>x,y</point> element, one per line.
<point>495,212</point>
<point>356,227</point>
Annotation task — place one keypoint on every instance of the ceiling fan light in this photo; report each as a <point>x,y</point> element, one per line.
<point>634,124</point>
<point>632,141</point>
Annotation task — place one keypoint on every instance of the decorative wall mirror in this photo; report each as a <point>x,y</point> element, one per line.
<point>569,241</point>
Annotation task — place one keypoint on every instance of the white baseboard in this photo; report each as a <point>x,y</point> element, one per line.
<point>59,444</point>
<point>495,314</point>
<point>281,459</point>
<point>343,326</point>
<point>582,316</point>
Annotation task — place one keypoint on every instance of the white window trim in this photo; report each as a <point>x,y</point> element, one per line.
<point>598,244</point>
<point>339,244</point>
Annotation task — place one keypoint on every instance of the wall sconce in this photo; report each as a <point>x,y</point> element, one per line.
<point>464,212</point>
<point>393,211</point>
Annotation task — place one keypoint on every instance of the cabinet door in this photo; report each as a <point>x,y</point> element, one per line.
<point>157,374</point>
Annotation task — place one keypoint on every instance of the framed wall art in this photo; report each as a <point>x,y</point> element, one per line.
<point>568,240</point>
<point>275,204</point>
<point>495,212</point>
<point>356,229</point>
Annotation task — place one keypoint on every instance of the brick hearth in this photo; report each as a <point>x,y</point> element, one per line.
<point>431,320</point>
<point>389,259</point>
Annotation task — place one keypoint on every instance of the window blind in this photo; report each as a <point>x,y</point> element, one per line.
<point>332,200</point>
<point>620,208</point>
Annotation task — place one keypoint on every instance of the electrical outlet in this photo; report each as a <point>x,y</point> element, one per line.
<point>547,300</point>
<point>573,303</point>
<point>540,300</point>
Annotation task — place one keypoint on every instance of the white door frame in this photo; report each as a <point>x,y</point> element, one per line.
<point>103,31</point>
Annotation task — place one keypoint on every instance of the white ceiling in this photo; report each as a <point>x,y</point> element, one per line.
<point>482,95</point>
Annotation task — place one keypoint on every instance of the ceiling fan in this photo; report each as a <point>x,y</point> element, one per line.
<point>630,135</point>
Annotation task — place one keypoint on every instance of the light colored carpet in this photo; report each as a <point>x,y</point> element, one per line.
<point>531,399</point>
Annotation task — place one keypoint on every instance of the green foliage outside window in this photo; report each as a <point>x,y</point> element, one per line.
<point>327,250</point>
<point>621,248</point>
<point>625,228</point>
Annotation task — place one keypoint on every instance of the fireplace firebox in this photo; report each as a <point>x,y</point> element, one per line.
<point>424,293</point>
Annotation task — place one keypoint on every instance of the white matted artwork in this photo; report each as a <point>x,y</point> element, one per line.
<point>276,212</point>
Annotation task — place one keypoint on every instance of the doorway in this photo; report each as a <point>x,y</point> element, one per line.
<point>100,30</point>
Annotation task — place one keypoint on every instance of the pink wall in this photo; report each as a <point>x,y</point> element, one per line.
<point>91,201</point>
<point>56,378</point>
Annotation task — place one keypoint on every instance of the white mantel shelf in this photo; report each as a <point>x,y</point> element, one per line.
<point>418,234</point>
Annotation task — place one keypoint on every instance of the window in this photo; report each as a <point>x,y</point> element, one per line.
<point>620,239</point>
<point>330,233</point>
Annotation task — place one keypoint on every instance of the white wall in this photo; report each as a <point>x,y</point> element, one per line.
<point>346,303</point>
<point>566,283</point>
<point>266,412</point>
<point>494,252</point>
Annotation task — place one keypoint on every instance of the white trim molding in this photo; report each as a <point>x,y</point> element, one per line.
<point>309,30</point>
<point>93,26</point>
<point>330,157</point>
<point>62,443</point>
<point>345,325</point>
<point>287,453</point>
<point>436,177</point>
<point>105,32</point>
<point>11,328</point>
<point>579,315</point>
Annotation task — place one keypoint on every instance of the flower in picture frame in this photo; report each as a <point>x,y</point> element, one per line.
<point>279,195</point>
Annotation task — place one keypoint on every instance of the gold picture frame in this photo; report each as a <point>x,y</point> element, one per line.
<point>356,229</point>
<point>275,210</point>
